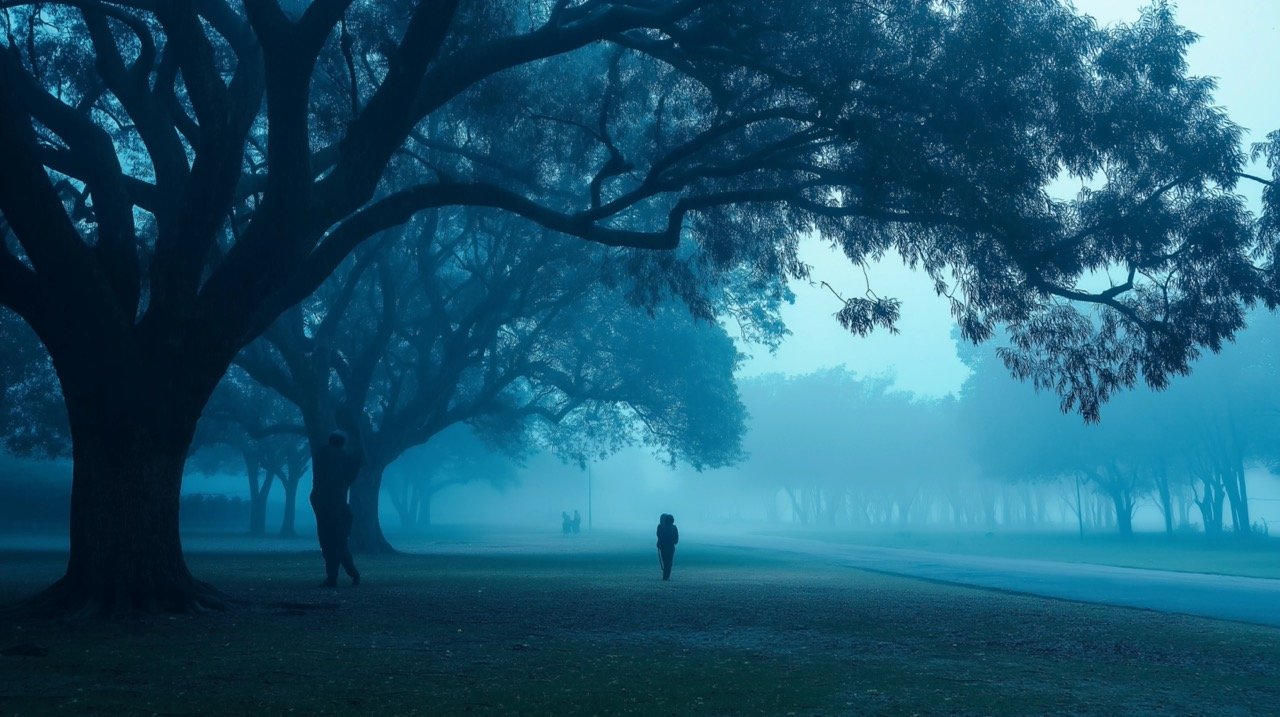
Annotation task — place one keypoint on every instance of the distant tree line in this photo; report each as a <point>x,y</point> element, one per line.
<point>35,494</point>
<point>832,449</point>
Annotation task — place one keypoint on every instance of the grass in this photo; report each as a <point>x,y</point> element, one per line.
<point>595,632</point>
<point>1253,557</point>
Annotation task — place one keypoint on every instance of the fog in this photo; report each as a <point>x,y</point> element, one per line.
<point>864,473</point>
<point>982,279</point>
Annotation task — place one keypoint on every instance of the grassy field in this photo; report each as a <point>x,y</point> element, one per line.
<point>593,631</point>
<point>1255,557</point>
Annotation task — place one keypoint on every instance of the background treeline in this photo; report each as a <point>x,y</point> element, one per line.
<point>833,449</point>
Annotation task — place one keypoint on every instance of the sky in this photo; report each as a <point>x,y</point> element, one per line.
<point>1239,46</point>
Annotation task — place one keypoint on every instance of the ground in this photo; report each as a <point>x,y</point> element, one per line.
<point>592,630</point>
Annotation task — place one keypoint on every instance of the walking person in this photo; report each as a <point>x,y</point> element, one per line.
<point>332,474</point>
<point>668,536</point>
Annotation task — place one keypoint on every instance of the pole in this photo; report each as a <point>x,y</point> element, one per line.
<point>588,497</point>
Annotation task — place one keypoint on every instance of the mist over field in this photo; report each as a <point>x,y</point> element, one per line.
<point>614,357</point>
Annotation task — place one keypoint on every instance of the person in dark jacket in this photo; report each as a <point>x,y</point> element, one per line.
<point>334,471</point>
<point>668,536</point>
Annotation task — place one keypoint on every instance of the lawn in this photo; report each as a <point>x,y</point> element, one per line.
<point>594,631</point>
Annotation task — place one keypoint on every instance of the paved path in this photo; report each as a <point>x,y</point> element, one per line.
<point>1253,600</point>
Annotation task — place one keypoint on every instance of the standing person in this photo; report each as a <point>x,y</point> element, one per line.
<point>332,474</point>
<point>668,536</point>
<point>577,522</point>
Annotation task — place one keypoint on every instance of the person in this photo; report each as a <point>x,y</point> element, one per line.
<point>334,471</point>
<point>668,536</point>
<point>567,526</point>
<point>577,523</point>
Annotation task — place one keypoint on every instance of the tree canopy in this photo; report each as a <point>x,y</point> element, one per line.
<point>178,174</point>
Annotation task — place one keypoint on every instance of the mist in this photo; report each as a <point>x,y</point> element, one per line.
<point>601,357</point>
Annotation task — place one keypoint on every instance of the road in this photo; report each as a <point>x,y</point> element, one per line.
<point>1252,600</point>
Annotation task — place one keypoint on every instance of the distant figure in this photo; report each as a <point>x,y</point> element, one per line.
<point>668,536</point>
<point>577,523</point>
<point>334,471</point>
<point>567,527</point>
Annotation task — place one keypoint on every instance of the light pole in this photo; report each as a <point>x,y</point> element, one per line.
<point>588,497</point>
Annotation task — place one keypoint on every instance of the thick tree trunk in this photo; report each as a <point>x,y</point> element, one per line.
<point>1124,513</point>
<point>366,526</point>
<point>129,444</point>
<point>258,515</point>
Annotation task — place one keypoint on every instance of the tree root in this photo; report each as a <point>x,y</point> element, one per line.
<point>69,598</point>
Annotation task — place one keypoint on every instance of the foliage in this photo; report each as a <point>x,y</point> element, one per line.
<point>930,128</point>
<point>33,420</point>
<point>456,456</point>
<point>1196,438</point>
<point>178,175</point>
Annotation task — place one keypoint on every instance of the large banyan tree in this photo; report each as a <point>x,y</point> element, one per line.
<point>178,172</point>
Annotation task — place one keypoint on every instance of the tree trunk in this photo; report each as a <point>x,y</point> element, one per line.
<point>129,444</point>
<point>258,514</point>
<point>1079,507</point>
<point>1237,496</point>
<point>401,495</point>
<point>258,495</point>
<point>287,525</point>
<point>366,527</point>
<point>1166,500</point>
<point>1124,512</point>
<point>251,469</point>
<point>798,514</point>
<point>1211,506</point>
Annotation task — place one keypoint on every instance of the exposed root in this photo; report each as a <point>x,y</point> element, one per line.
<point>71,599</point>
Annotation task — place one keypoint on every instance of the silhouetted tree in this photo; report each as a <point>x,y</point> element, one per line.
<point>177,174</point>
<point>1193,440</point>
<point>454,457</point>
<point>493,325</point>
<point>269,438</point>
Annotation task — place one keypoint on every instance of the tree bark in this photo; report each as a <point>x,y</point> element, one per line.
<point>366,526</point>
<point>130,438</point>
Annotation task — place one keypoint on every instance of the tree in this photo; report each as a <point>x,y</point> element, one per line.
<point>177,174</point>
<point>844,449</point>
<point>455,457</point>
<point>1194,439</point>
<point>510,331</point>
<point>269,439</point>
